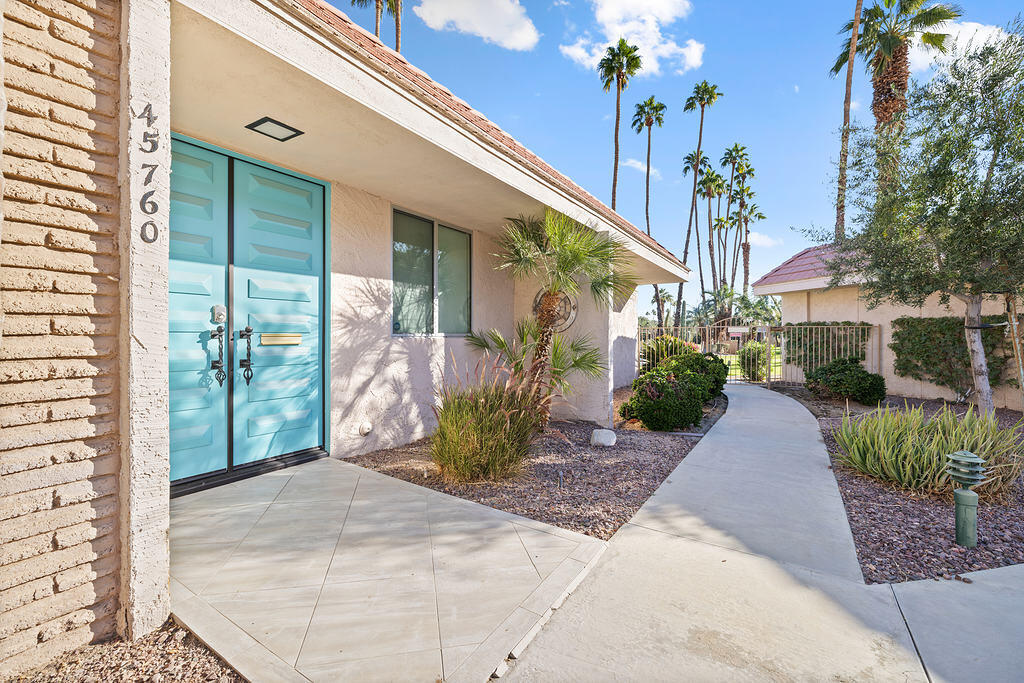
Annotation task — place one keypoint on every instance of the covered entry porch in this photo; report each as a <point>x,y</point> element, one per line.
<point>328,571</point>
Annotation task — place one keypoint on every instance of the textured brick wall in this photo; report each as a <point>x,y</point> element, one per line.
<point>59,269</point>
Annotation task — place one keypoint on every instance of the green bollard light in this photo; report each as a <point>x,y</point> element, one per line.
<point>966,469</point>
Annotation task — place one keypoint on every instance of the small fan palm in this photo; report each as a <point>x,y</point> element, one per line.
<point>577,355</point>
<point>887,32</point>
<point>563,255</point>
<point>620,63</point>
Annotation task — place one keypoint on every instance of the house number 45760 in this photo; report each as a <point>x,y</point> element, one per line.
<point>149,231</point>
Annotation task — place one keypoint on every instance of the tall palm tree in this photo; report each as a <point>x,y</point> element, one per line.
<point>562,255</point>
<point>752,213</point>
<point>733,156</point>
<point>711,185</point>
<point>379,12</point>
<point>844,145</point>
<point>742,195</point>
<point>887,31</point>
<point>648,114</point>
<point>704,95</point>
<point>395,8</point>
<point>700,165</point>
<point>620,63</point>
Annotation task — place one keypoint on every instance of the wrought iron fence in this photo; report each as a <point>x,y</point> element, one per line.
<point>762,353</point>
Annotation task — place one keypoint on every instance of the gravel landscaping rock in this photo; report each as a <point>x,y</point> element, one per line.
<point>566,482</point>
<point>170,653</point>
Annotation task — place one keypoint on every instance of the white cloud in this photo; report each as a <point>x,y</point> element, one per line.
<point>643,23</point>
<point>796,89</point>
<point>759,239</point>
<point>502,22</point>
<point>922,57</point>
<point>642,167</point>
<point>560,3</point>
<point>854,105</point>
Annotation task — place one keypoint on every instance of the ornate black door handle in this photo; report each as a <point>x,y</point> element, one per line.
<point>218,364</point>
<point>246,363</point>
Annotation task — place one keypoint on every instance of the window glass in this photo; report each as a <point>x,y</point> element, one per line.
<point>453,280</point>
<point>413,275</point>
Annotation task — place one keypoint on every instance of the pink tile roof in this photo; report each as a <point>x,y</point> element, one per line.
<point>395,67</point>
<point>809,263</point>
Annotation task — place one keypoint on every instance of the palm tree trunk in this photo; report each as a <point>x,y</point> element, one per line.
<point>679,303</point>
<point>693,203</point>
<point>398,25</point>
<point>845,143</point>
<point>647,200</point>
<point>700,266</point>
<point>890,87</point>
<point>746,258</point>
<point>618,112</point>
<point>735,254</point>
<point>547,313</point>
<point>711,249</point>
<point>660,305</point>
<point>380,14</point>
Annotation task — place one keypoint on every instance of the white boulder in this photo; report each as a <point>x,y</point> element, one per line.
<point>602,437</point>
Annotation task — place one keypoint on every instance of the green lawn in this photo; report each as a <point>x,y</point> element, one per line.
<point>732,360</point>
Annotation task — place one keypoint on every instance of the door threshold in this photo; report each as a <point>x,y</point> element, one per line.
<point>202,482</point>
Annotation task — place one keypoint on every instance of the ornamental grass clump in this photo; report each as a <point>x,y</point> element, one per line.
<point>485,427</point>
<point>906,448</point>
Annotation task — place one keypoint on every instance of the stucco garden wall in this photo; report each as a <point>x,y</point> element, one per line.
<point>385,380</point>
<point>59,272</point>
<point>844,303</point>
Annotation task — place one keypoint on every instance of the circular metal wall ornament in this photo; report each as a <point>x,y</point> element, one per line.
<point>566,310</point>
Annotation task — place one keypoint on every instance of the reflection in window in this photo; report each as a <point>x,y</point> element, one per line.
<point>423,274</point>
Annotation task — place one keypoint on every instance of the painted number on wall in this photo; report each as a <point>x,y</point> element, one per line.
<point>150,143</point>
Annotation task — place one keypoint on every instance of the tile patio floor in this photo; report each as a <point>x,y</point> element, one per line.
<point>328,571</point>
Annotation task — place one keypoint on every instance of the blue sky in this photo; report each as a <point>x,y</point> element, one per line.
<point>527,65</point>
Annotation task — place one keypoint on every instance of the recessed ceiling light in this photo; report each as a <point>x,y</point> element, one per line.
<point>273,128</point>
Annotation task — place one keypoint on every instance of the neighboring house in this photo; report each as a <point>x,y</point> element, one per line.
<point>802,285</point>
<point>172,167</point>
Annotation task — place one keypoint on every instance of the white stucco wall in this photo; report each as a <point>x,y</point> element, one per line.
<point>389,381</point>
<point>623,332</point>
<point>844,303</point>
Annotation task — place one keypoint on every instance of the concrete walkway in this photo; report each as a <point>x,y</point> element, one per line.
<point>328,571</point>
<point>742,567</point>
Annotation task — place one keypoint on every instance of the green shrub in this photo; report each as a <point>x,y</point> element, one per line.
<point>706,364</point>
<point>664,400</point>
<point>845,378</point>
<point>658,349</point>
<point>484,429</point>
<point>935,350</point>
<point>904,447</point>
<point>754,361</point>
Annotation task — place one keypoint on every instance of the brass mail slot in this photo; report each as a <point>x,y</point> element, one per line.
<point>280,339</point>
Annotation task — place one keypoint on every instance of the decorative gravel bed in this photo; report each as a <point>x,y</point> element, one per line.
<point>903,536</point>
<point>170,653</point>
<point>566,482</point>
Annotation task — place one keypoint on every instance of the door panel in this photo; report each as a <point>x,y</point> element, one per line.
<point>197,282</point>
<point>278,257</point>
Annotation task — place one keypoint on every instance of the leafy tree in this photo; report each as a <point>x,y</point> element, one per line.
<point>704,95</point>
<point>620,63</point>
<point>563,255</point>
<point>887,31</point>
<point>950,217</point>
<point>844,146</point>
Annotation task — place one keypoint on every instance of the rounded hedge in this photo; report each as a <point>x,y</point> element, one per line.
<point>664,400</point>
<point>845,378</point>
<point>707,364</point>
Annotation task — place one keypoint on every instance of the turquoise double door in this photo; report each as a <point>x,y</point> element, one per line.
<point>246,313</point>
